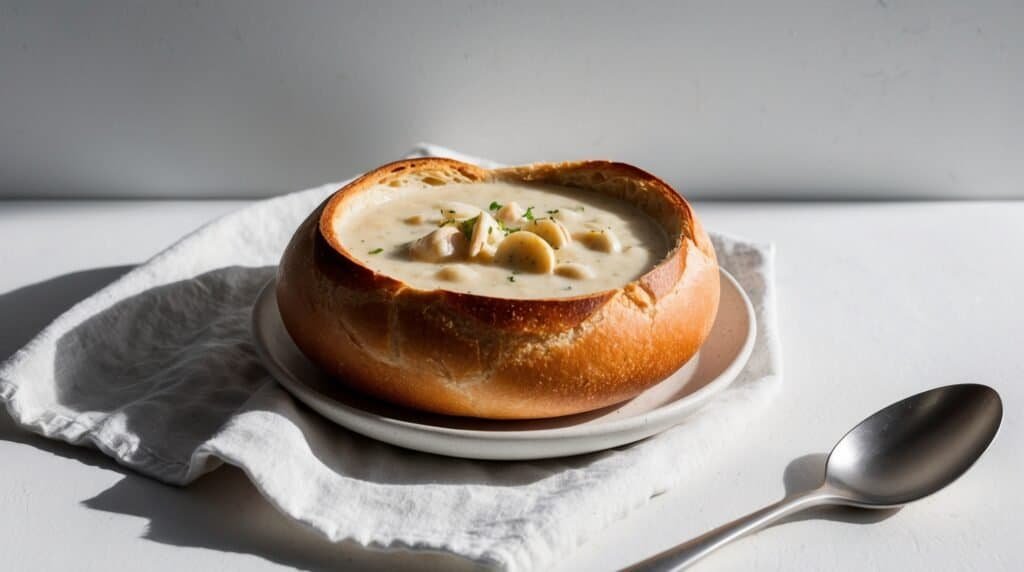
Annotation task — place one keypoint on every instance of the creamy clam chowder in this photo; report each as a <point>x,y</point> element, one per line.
<point>507,240</point>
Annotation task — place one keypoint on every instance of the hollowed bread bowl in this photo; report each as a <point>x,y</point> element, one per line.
<point>474,355</point>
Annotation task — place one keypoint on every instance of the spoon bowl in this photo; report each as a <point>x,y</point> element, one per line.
<point>914,447</point>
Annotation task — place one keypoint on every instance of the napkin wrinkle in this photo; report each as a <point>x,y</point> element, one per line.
<point>159,371</point>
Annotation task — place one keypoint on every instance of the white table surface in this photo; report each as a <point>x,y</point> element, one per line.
<point>876,301</point>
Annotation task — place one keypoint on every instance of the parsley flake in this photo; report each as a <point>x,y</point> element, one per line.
<point>511,278</point>
<point>507,229</point>
<point>376,251</point>
<point>528,215</point>
<point>495,205</point>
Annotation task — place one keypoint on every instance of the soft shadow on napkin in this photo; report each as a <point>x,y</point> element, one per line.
<point>159,371</point>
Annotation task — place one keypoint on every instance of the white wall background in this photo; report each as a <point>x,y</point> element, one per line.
<point>836,98</point>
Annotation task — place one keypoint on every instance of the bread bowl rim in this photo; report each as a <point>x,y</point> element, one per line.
<point>657,281</point>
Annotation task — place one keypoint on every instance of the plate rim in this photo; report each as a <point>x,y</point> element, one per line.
<point>655,417</point>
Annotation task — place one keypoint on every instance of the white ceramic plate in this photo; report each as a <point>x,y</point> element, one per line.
<point>720,359</point>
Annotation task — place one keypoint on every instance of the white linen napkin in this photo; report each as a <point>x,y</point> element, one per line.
<point>158,370</point>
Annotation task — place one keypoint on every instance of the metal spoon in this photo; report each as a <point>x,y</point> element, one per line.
<point>903,453</point>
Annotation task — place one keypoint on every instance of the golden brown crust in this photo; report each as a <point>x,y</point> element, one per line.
<point>466,354</point>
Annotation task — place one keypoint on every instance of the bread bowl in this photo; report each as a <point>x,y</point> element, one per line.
<point>432,343</point>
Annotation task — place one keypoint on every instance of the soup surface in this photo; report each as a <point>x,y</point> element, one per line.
<point>507,240</point>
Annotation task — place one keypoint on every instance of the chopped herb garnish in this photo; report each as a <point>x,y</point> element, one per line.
<point>511,278</point>
<point>507,229</point>
<point>490,229</point>
<point>467,226</point>
<point>569,287</point>
<point>578,208</point>
<point>495,205</point>
<point>376,251</point>
<point>528,215</point>
<point>554,212</point>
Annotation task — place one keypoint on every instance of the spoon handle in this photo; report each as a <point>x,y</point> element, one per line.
<point>684,555</point>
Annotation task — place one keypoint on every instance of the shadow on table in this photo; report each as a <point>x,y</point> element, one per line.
<point>223,510</point>
<point>27,310</point>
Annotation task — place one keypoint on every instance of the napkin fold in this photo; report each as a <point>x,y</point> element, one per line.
<point>159,371</point>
